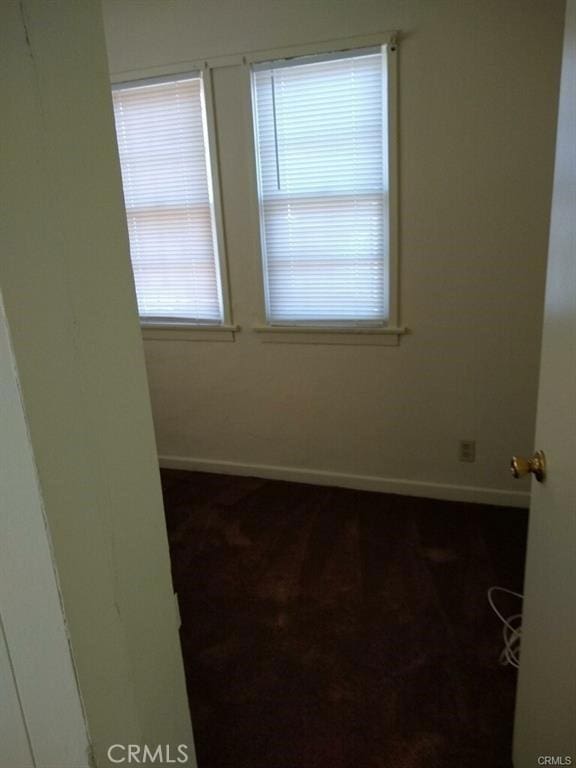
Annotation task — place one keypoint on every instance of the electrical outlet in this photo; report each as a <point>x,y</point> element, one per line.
<point>467,450</point>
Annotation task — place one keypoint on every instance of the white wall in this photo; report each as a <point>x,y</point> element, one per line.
<point>478,92</point>
<point>70,306</point>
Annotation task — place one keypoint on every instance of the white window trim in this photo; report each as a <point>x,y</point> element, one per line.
<point>182,330</point>
<point>381,336</point>
<point>387,334</point>
<point>178,331</point>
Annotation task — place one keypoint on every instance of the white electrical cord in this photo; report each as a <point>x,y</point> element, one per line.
<point>511,631</point>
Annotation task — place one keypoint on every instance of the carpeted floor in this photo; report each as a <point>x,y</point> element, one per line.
<point>329,628</point>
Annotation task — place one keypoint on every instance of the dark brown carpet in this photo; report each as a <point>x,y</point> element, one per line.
<point>328,628</point>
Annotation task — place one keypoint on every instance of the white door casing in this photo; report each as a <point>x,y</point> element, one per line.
<point>14,745</point>
<point>41,717</point>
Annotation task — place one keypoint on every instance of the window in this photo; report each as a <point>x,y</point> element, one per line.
<point>163,147</point>
<point>321,138</point>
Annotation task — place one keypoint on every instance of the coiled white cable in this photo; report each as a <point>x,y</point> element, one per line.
<point>511,631</point>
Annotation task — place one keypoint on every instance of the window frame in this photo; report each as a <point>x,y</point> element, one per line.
<point>183,330</point>
<point>388,333</point>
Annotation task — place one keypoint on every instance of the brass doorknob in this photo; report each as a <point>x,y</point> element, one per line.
<point>520,466</point>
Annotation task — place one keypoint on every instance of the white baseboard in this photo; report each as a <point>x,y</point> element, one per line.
<point>443,491</point>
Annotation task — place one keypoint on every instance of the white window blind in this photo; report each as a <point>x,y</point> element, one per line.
<point>162,142</point>
<point>322,153</point>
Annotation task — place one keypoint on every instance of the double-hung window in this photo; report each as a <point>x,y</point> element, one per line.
<point>163,146</point>
<point>321,126</point>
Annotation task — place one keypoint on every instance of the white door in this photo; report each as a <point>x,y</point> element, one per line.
<point>545,724</point>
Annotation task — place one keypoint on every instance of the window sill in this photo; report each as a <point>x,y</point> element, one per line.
<point>312,334</point>
<point>185,332</point>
